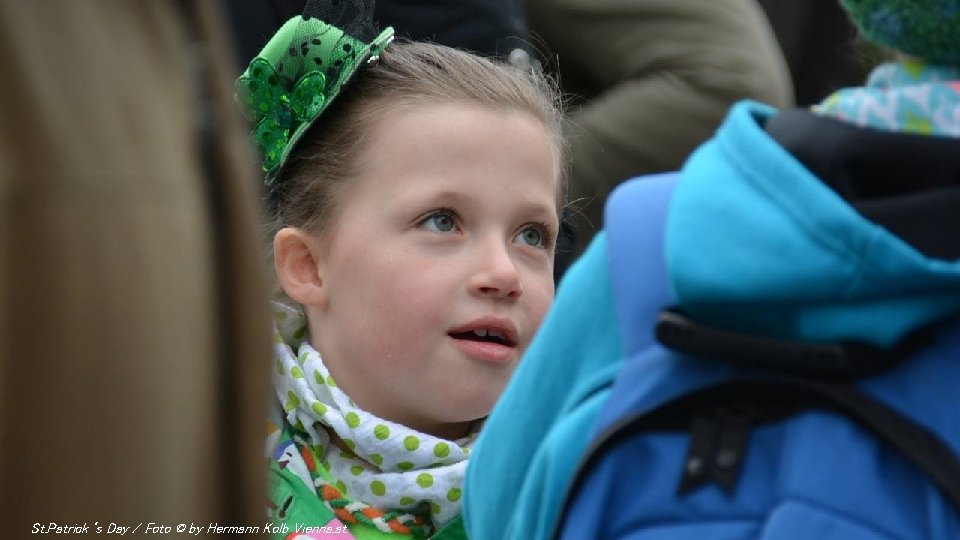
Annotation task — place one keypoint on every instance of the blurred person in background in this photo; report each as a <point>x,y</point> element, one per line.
<point>765,341</point>
<point>650,81</point>
<point>821,46</point>
<point>493,28</point>
<point>133,321</point>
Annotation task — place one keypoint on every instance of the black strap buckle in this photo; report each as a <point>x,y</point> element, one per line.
<point>718,446</point>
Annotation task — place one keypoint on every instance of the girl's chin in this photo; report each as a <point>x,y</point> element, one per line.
<point>452,429</point>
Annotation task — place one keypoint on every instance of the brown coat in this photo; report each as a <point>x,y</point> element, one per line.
<point>133,315</point>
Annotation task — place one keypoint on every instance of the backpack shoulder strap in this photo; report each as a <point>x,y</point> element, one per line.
<point>771,397</point>
<point>634,223</point>
<point>634,219</point>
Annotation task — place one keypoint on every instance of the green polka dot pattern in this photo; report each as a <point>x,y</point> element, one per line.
<point>292,402</point>
<point>387,466</point>
<point>411,443</point>
<point>424,480</point>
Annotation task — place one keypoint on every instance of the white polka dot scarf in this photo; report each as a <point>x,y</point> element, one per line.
<point>394,467</point>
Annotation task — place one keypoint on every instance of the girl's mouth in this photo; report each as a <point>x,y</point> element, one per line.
<point>485,336</point>
<point>490,339</point>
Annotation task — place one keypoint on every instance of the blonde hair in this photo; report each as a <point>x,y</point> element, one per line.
<point>308,189</point>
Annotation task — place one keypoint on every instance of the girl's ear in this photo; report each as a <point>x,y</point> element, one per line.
<point>296,259</point>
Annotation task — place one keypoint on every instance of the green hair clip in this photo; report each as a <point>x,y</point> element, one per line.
<point>297,75</point>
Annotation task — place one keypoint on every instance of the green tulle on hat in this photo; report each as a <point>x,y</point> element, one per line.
<point>295,78</point>
<point>926,29</point>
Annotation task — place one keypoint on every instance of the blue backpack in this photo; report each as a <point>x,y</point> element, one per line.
<point>714,435</point>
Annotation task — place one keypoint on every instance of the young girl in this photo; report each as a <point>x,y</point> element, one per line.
<point>413,221</point>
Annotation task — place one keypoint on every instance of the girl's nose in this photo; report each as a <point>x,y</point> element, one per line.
<point>496,274</point>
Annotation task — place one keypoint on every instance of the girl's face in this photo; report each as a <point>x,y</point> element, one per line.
<point>440,263</point>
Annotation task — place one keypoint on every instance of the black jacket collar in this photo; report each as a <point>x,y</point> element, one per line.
<point>907,183</point>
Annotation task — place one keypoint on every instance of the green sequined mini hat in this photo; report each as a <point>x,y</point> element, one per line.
<point>302,69</point>
<point>927,29</point>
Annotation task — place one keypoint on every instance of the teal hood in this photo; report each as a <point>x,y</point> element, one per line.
<point>756,242</point>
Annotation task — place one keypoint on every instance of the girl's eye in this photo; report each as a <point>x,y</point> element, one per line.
<point>442,221</point>
<point>532,236</point>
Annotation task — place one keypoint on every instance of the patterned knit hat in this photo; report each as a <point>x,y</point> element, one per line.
<point>927,29</point>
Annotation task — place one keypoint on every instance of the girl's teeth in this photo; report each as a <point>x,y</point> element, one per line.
<point>481,333</point>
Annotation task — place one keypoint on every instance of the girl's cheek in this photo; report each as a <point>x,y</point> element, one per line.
<point>540,300</point>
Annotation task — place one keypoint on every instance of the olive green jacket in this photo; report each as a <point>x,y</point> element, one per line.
<point>651,80</point>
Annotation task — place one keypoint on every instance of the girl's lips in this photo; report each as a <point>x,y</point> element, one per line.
<point>501,325</point>
<point>486,351</point>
